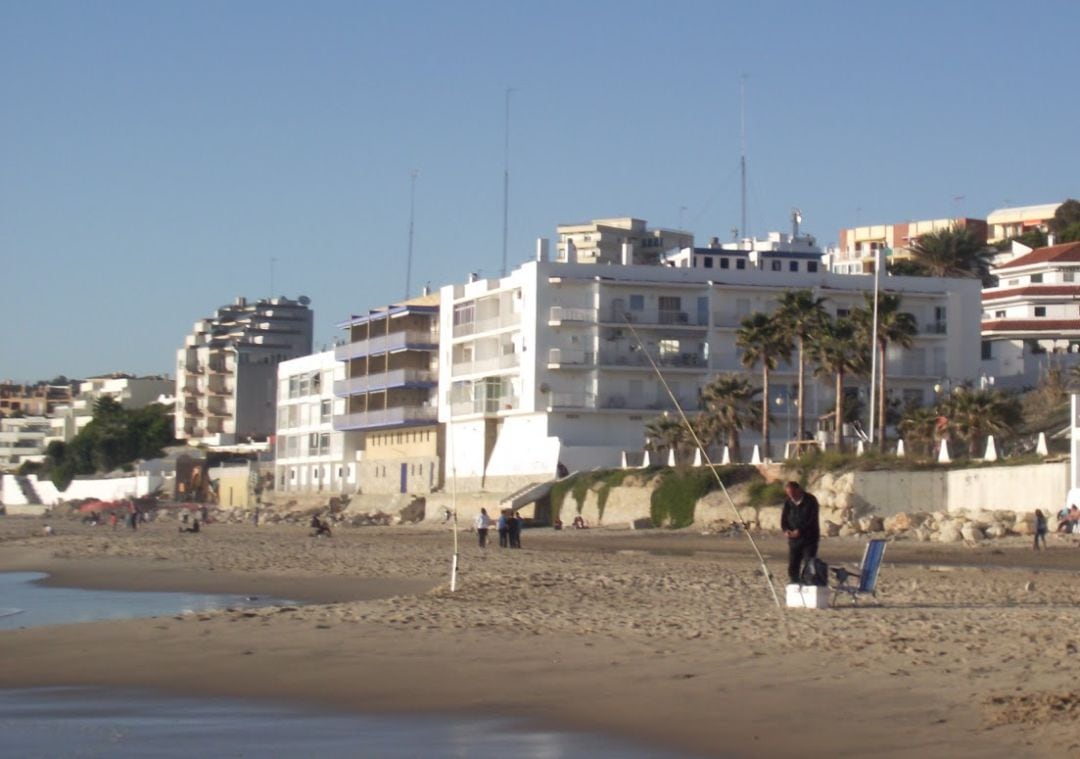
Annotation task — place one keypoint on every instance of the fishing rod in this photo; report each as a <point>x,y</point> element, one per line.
<point>707,460</point>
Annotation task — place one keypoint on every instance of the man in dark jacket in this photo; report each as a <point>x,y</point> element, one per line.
<point>799,522</point>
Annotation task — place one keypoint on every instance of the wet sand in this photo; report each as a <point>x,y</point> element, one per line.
<point>670,638</point>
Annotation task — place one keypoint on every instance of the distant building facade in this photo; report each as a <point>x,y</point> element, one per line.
<point>1006,223</point>
<point>611,241</point>
<point>389,390</point>
<point>22,440</point>
<point>310,455</point>
<point>226,373</point>
<point>130,392</point>
<point>1031,318</point>
<point>548,366</point>
<point>858,247</point>
<point>37,399</point>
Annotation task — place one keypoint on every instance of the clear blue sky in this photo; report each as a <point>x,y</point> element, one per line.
<point>154,156</point>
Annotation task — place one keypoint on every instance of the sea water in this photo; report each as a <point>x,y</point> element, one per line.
<point>25,602</point>
<point>91,722</point>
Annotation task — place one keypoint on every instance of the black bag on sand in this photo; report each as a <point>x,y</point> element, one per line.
<point>815,572</point>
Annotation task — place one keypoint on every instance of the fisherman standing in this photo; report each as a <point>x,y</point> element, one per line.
<point>799,521</point>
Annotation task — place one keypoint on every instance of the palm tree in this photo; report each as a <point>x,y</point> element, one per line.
<point>837,351</point>
<point>894,327</point>
<point>974,414</point>
<point>952,252</point>
<point>728,407</point>
<point>761,342</point>
<point>919,426</point>
<point>665,433</point>
<point>798,315</point>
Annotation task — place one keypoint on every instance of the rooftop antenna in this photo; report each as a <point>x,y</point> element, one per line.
<point>412,219</point>
<point>742,149</point>
<point>273,262</point>
<point>506,180</point>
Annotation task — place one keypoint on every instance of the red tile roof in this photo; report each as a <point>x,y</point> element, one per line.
<point>1032,290</point>
<point>1031,325</point>
<point>1066,253</point>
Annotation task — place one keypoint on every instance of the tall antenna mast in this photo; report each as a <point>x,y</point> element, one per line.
<point>412,219</point>
<point>742,147</point>
<point>273,262</point>
<point>506,180</point>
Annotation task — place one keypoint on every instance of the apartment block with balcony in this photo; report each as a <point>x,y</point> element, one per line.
<point>858,247</point>
<point>22,440</point>
<point>1031,318</point>
<point>37,399</point>
<point>310,455</point>
<point>607,241</point>
<point>388,390</point>
<point>1007,223</point>
<point>573,383</point>
<point>226,373</point>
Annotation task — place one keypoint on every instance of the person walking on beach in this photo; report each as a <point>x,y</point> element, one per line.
<point>1041,528</point>
<point>503,526</point>
<point>483,523</point>
<point>799,521</point>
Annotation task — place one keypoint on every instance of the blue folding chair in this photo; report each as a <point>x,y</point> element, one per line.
<point>867,574</point>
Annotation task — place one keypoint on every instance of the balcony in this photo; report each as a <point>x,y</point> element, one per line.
<point>559,358</point>
<point>384,380</point>
<point>656,318</point>
<point>725,320</point>
<point>562,314</point>
<point>631,359</point>
<point>398,416</point>
<point>192,410</point>
<point>490,324</point>
<point>395,341</point>
<point>485,365</point>
<point>193,368</point>
<point>934,328</point>
<point>615,402</point>
<point>221,369</point>
<point>485,405</point>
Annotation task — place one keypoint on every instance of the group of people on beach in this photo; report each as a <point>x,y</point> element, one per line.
<point>508,526</point>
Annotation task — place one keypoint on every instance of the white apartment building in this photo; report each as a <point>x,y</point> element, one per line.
<point>130,392</point>
<point>1031,319</point>
<point>22,439</point>
<point>541,367</point>
<point>310,455</point>
<point>776,252</point>
<point>226,373</point>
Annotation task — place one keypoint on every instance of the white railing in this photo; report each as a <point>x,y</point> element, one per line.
<point>413,338</point>
<point>663,317</point>
<point>637,358</point>
<point>381,380</point>
<point>571,314</point>
<point>489,324</point>
<point>492,364</point>
<point>572,400</point>
<point>485,405</point>
<point>384,417</point>
<point>570,357</point>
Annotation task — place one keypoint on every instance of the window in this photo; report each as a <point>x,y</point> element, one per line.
<point>987,350</point>
<point>464,313</point>
<point>776,266</point>
<point>1036,278</point>
<point>708,262</point>
<point>326,411</point>
<point>842,312</point>
<point>811,266</point>
<point>740,263</point>
<point>913,396</point>
<point>793,266</point>
<point>637,302</point>
<point>669,303</point>
<point>1040,310</point>
<point>725,263</point>
<point>1067,276</point>
<point>999,314</point>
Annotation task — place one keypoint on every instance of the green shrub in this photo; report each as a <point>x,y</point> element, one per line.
<point>672,503</point>
<point>581,483</point>
<point>761,493</point>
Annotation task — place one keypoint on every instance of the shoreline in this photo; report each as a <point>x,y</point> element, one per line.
<point>642,637</point>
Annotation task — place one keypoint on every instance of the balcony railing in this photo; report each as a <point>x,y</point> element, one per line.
<point>638,358</point>
<point>590,401</point>
<point>409,339</point>
<point>934,328</point>
<point>384,380</point>
<point>487,325</point>
<point>658,317</point>
<point>482,365</point>
<point>727,320</point>
<point>560,314</point>
<point>485,405</point>
<point>570,357</point>
<point>398,415</point>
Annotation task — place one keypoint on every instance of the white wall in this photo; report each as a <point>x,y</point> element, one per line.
<point>108,489</point>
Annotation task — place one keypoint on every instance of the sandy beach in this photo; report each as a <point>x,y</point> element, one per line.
<point>668,637</point>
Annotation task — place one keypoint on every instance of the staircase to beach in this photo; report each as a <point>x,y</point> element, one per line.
<point>28,490</point>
